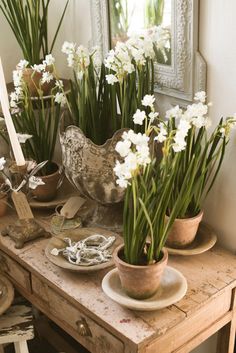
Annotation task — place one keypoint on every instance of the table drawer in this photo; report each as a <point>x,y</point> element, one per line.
<point>90,334</point>
<point>15,271</point>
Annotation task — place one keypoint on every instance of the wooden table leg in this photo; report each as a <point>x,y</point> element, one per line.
<point>226,336</point>
<point>21,347</point>
<point>1,348</point>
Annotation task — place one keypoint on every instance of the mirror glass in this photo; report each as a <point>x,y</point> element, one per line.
<point>128,17</point>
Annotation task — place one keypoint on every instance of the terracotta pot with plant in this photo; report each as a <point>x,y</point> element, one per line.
<point>200,157</point>
<point>148,186</point>
<point>29,22</point>
<point>36,121</point>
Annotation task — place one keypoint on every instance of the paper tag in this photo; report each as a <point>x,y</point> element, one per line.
<point>22,206</point>
<point>72,206</point>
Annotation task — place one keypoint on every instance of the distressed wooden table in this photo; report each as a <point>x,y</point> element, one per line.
<point>78,305</point>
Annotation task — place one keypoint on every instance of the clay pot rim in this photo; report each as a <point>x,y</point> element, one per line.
<point>189,219</point>
<point>43,177</point>
<point>118,259</point>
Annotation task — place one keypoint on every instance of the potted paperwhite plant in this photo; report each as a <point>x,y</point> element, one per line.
<point>29,22</point>
<point>148,186</point>
<point>201,153</point>
<point>37,121</point>
<point>102,101</point>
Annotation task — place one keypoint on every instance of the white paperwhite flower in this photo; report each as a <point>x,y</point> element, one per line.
<point>184,126</point>
<point>46,77</point>
<point>180,142</point>
<point>175,112</point>
<point>161,137</point>
<point>123,148</point>
<point>119,61</point>
<point>122,171</point>
<point>71,59</point>
<point>199,122</point>
<point>123,183</point>
<point>22,64</point>
<point>68,47</point>
<point>34,182</point>
<point>139,139</point>
<point>59,84</point>
<point>138,55</point>
<point>135,151</point>
<point>111,79</point>
<point>49,60</point>
<point>39,68</point>
<point>139,117</point>
<point>131,161</point>
<point>60,98</point>
<point>196,110</point>
<point>153,116</point>
<point>143,155</point>
<point>178,147</point>
<point>148,100</point>
<point>200,96</point>
<point>14,98</point>
<point>22,138</point>
<point>17,78</point>
<point>2,163</point>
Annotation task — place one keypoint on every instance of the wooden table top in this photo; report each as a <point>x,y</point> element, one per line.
<point>207,274</point>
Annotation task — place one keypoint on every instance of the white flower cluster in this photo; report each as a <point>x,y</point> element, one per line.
<point>17,95</point>
<point>137,49</point>
<point>134,150</point>
<point>80,58</point>
<point>193,116</point>
<point>47,76</point>
<point>230,123</point>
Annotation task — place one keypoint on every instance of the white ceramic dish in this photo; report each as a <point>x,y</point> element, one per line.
<point>76,235</point>
<point>172,288</point>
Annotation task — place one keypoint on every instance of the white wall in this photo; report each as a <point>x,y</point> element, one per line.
<point>217,44</point>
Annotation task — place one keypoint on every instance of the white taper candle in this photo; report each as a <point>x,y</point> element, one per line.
<point>15,144</point>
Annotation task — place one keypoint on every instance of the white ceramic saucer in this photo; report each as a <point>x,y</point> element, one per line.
<point>172,288</point>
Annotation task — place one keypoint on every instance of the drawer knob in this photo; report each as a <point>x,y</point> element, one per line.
<point>83,328</point>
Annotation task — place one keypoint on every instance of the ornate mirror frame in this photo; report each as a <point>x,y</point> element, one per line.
<point>187,72</point>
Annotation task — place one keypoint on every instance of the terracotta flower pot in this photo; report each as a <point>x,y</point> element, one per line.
<point>48,191</point>
<point>3,203</point>
<point>139,282</point>
<point>32,79</point>
<point>183,231</point>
